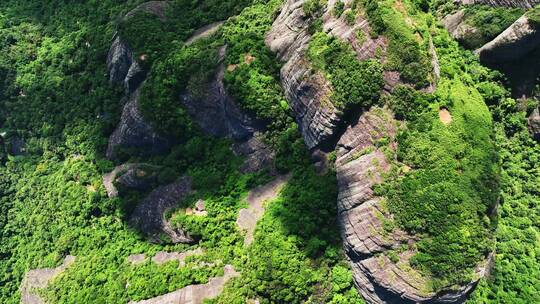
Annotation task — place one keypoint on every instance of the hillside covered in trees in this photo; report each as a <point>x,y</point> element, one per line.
<point>270,151</point>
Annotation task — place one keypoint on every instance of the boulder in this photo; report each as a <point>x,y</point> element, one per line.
<point>215,112</point>
<point>534,124</point>
<point>364,219</point>
<point>149,215</point>
<point>157,8</point>
<point>515,42</point>
<point>133,132</point>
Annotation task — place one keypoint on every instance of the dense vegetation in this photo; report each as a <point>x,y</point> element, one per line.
<point>55,96</point>
<point>353,82</point>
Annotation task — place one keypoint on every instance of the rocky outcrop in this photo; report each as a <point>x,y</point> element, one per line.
<point>130,176</point>
<point>215,112</point>
<point>258,155</point>
<point>461,30</point>
<point>364,220</point>
<point>195,294</point>
<point>504,3</point>
<point>149,216</point>
<point>133,132</point>
<point>517,41</point>
<point>534,124</point>
<point>39,279</point>
<point>307,93</point>
<point>157,8</point>
<point>123,67</point>
<point>256,199</point>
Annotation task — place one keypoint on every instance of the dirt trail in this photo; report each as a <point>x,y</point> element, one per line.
<point>445,116</point>
<point>39,279</point>
<point>195,294</point>
<point>247,219</point>
<point>204,32</point>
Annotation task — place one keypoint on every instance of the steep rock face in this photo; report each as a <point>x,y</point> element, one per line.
<point>518,40</point>
<point>258,155</point>
<point>130,176</point>
<point>362,216</point>
<point>307,93</point>
<point>534,124</point>
<point>504,3</point>
<point>133,132</point>
<point>121,63</point>
<point>215,112</point>
<point>149,216</point>
<point>459,29</point>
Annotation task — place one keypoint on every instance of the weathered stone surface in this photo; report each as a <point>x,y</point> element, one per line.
<point>458,29</point>
<point>39,279</point>
<point>195,294</point>
<point>503,3</point>
<point>215,112</point>
<point>534,124</point>
<point>204,32</point>
<point>157,8</point>
<point>119,60</point>
<point>248,217</point>
<point>307,92</point>
<point>136,259</point>
<point>163,257</point>
<point>362,217</point>
<point>149,217</point>
<point>258,155</point>
<point>135,133</point>
<point>122,65</point>
<point>514,43</point>
<point>130,176</point>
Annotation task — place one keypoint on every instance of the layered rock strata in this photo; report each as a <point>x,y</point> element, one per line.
<point>364,220</point>
<point>515,42</point>
<point>149,215</point>
<point>134,132</point>
<point>215,112</point>
<point>504,3</point>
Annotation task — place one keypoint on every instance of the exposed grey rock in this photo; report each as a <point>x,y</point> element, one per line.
<point>163,257</point>
<point>514,43</point>
<point>130,176</point>
<point>204,32</point>
<point>136,259</point>
<point>258,155</point>
<point>308,93</point>
<point>157,8</point>
<point>133,132</point>
<point>134,77</point>
<point>504,3</point>
<point>248,217</point>
<point>534,124</point>
<point>122,65</point>
<point>195,294</point>
<point>149,216</point>
<point>38,279</point>
<point>362,216</point>
<point>215,112</point>
<point>119,60</point>
<point>458,28</point>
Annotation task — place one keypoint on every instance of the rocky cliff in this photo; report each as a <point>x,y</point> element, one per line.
<point>215,112</point>
<point>518,40</point>
<point>364,219</point>
<point>504,3</point>
<point>133,132</point>
<point>149,215</point>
